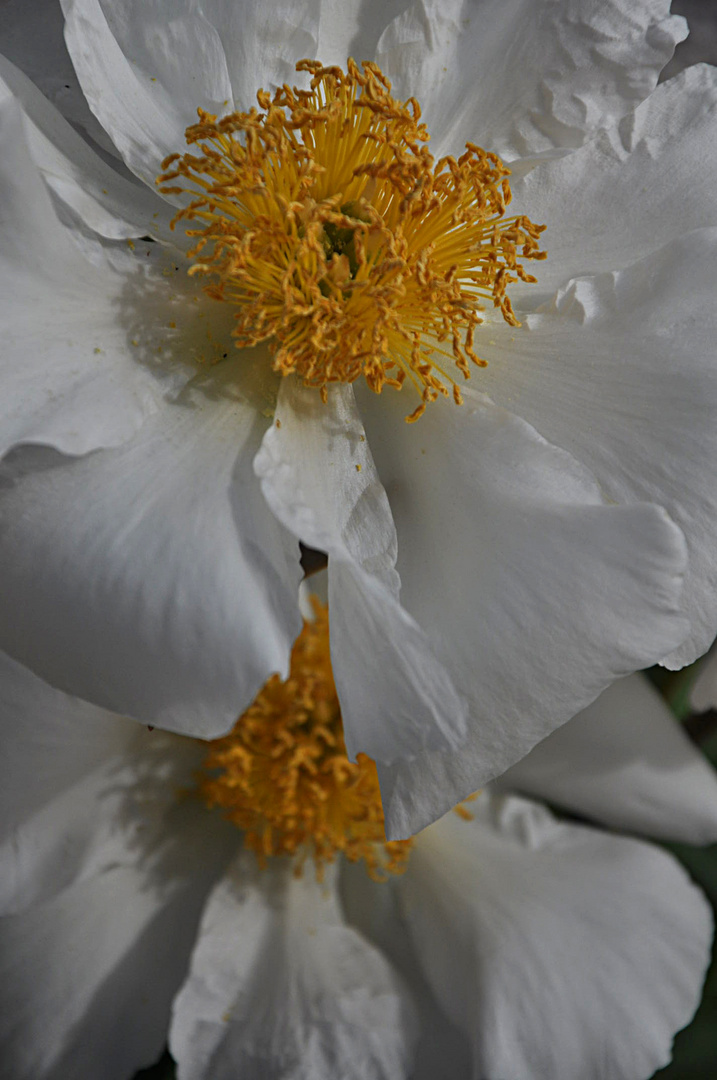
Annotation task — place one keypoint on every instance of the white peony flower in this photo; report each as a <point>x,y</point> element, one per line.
<point>548,535</point>
<point>511,945</point>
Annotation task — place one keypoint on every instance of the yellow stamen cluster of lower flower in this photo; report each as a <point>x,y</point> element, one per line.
<point>323,217</point>
<point>282,774</point>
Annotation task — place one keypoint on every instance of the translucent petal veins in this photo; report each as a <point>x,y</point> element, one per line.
<point>283,776</point>
<point>323,217</point>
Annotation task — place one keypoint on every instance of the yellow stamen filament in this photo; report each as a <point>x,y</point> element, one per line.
<point>324,218</point>
<point>282,774</point>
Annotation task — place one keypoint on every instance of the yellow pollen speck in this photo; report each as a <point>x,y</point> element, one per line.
<point>283,776</point>
<point>462,810</point>
<point>358,468</point>
<point>323,218</point>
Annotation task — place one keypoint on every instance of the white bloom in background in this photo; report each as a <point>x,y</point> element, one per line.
<point>551,533</point>
<point>511,945</point>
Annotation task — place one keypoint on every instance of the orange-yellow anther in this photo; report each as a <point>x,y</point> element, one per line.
<point>283,776</point>
<point>324,218</point>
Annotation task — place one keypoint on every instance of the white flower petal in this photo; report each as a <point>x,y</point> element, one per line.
<point>136,91</point>
<point>262,43</point>
<point>559,950</point>
<point>637,185</point>
<point>106,201</point>
<point>318,477</point>
<point>527,585</point>
<point>397,698</point>
<point>87,980</point>
<point>521,76</point>
<point>621,371</point>
<point>31,32</point>
<point>152,579</point>
<point>353,28</point>
<point>626,762</point>
<point>315,456</point>
<point>83,790</point>
<point>279,986</point>
<point>53,750</point>
<point>374,910</point>
<point>69,375</point>
<point>146,66</point>
<point>49,741</point>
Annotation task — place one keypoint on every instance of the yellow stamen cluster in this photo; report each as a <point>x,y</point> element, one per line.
<point>282,774</point>
<point>323,217</point>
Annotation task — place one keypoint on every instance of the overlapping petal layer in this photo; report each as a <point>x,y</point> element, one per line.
<point>625,763</point>
<point>69,377</point>
<point>552,591</point>
<point>145,67</point>
<point>319,479</point>
<point>527,76</point>
<point>109,602</point>
<point>638,184</point>
<point>620,370</point>
<point>515,908</point>
<point>88,978</point>
<point>101,196</point>
<point>532,550</point>
<point>324,1002</point>
<point>555,948</point>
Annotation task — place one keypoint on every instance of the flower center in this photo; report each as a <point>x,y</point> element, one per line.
<point>282,774</point>
<point>324,218</point>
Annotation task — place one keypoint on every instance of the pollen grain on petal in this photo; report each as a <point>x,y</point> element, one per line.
<point>323,218</point>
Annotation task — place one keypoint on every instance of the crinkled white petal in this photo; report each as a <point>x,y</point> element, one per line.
<point>560,951</point>
<point>534,593</point>
<point>319,479</point>
<point>626,762</point>
<point>152,579</point>
<point>621,370</point>
<point>106,201</point>
<point>71,376</point>
<point>637,185</point>
<point>146,66</point>
<point>523,76</point>
<point>279,986</point>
